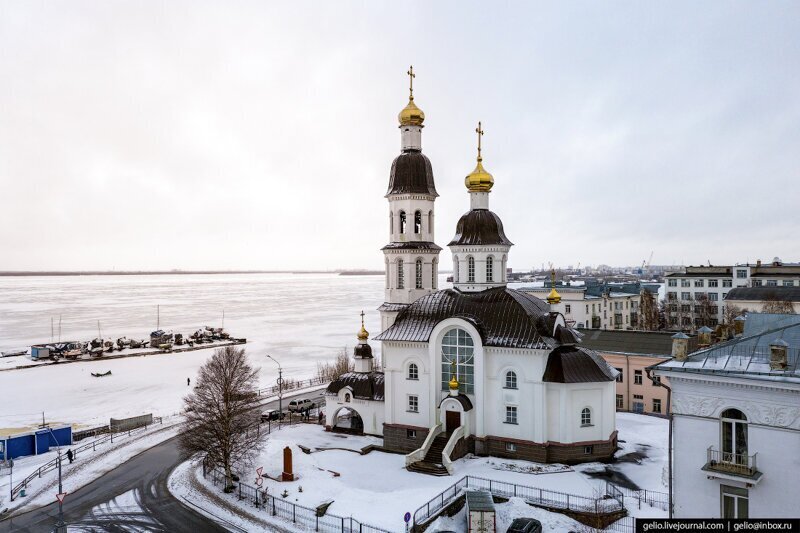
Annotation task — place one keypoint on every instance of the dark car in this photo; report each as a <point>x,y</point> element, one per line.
<point>272,414</point>
<point>525,525</point>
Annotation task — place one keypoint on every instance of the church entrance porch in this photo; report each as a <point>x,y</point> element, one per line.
<point>452,421</point>
<point>346,420</point>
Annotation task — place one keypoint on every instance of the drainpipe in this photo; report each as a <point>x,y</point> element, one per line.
<point>669,435</point>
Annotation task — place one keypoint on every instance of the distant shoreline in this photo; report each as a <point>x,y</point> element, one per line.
<point>21,273</point>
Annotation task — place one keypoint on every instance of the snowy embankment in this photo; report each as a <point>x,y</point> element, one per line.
<point>376,489</point>
<point>88,465</point>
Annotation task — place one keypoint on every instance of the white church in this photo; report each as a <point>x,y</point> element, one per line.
<point>479,368</point>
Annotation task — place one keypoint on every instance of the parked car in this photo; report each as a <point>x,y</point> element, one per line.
<point>272,414</point>
<point>301,405</point>
<point>525,525</point>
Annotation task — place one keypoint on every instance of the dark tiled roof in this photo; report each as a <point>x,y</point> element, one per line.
<point>463,399</point>
<point>411,173</point>
<point>702,272</point>
<point>364,351</point>
<point>414,245</point>
<point>480,226</point>
<point>387,306</point>
<point>791,294</point>
<point>503,317</point>
<point>634,342</point>
<point>365,386</point>
<point>571,364</point>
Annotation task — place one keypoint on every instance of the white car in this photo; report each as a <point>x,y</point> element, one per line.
<point>302,405</point>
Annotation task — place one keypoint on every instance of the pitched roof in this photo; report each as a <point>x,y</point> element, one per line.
<point>480,226</point>
<point>572,364</point>
<point>411,173</point>
<point>365,386</point>
<point>759,294</point>
<point>654,343</point>
<point>503,317</point>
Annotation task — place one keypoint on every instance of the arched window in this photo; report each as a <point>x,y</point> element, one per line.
<point>430,223</point>
<point>455,268</point>
<point>418,273</point>
<point>391,223</point>
<point>458,352</point>
<point>470,269</point>
<point>433,273</point>
<point>418,222</point>
<point>503,269</point>
<point>734,437</point>
<point>489,269</point>
<point>347,397</point>
<point>402,222</point>
<point>511,380</point>
<point>401,281</point>
<point>413,371</point>
<point>586,417</point>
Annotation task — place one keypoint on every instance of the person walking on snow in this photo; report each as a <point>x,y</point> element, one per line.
<point>188,381</point>
<point>70,456</point>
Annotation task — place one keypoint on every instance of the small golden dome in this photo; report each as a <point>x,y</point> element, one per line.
<point>363,334</point>
<point>553,297</point>
<point>411,115</point>
<point>479,180</point>
<point>453,383</point>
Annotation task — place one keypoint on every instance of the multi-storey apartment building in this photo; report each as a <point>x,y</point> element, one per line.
<point>736,422</point>
<point>588,308</point>
<point>696,295</point>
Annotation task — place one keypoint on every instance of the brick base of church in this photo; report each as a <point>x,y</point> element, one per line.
<point>396,438</point>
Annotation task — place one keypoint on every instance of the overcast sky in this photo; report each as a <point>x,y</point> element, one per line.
<point>194,135</point>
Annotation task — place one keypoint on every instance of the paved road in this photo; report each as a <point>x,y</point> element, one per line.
<point>132,497</point>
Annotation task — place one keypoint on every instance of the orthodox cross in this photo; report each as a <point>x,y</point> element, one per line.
<point>362,318</point>
<point>411,77</point>
<point>479,131</point>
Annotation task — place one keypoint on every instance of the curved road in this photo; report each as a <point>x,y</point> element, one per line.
<point>132,497</point>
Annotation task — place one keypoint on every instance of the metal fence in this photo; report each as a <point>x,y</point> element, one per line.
<point>76,450</point>
<point>626,524</point>
<point>286,510</point>
<point>609,503</point>
<point>291,385</point>
<point>650,497</point>
<point>125,424</point>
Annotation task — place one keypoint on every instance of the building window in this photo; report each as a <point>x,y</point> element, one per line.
<point>686,296</point>
<point>418,273</point>
<point>586,417</point>
<point>727,283</point>
<point>567,309</point>
<point>470,269</point>
<point>713,283</point>
<point>401,281</point>
<point>656,405</point>
<point>417,222</point>
<point>657,380</point>
<point>757,283</point>
<point>347,398</point>
<point>672,296</point>
<point>772,283</point>
<point>587,309</point>
<point>413,403</point>
<point>686,283</point>
<point>489,269</point>
<point>686,308</point>
<point>734,502</point>
<point>713,297</point>
<point>699,283</point>
<point>511,414</point>
<point>411,433</point>
<point>511,447</point>
<point>741,274</point>
<point>588,450</point>
<point>788,283</point>
<point>619,375</point>
<point>620,401</point>
<point>455,268</point>
<point>734,437</point>
<point>458,352</point>
<point>672,283</point>
<point>637,377</point>
<point>430,223</point>
<point>433,274</point>
<point>413,371</point>
<point>402,222</point>
<point>511,380</point>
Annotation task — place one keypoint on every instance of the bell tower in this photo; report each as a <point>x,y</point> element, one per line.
<point>411,258</point>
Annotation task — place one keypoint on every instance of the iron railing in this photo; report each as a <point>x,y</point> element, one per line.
<point>648,497</point>
<point>291,386</point>
<point>286,510</point>
<point>731,463</point>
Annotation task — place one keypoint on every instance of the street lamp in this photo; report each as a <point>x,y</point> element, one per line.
<point>60,526</point>
<point>280,389</point>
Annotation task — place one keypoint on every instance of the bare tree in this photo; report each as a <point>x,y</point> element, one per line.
<point>730,312</point>
<point>221,412</point>
<point>332,370</point>
<point>773,303</point>
<point>649,312</point>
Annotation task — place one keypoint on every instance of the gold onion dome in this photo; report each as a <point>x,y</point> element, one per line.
<point>453,383</point>
<point>553,297</point>
<point>411,115</point>
<point>363,334</point>
<point>479,180</point>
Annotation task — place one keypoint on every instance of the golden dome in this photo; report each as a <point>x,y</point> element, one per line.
<point>553,297</point>
<point>363,334</point>
<point>479,180</point>
<point>411,115</point>
<point>453,383</point>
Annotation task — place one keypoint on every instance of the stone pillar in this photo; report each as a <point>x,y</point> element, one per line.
<point>287,474</point>
<point>778,359</point>
<point>704,336</point>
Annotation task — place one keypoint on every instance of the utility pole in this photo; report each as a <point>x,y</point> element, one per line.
<point>280,390</point>
<point>60,526</point>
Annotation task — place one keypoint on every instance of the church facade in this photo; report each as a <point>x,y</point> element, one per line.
<point>478,368</point>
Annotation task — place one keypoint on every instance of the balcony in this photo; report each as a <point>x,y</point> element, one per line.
<point>732,466</point>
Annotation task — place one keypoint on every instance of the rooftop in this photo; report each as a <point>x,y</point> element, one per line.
<point>790,294</point>
<point>650,343</point>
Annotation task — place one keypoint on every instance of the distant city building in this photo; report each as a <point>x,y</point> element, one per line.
<point>736,422</point>
<point>630,353</point>
<point>766,299</point>
<point>695,296</point>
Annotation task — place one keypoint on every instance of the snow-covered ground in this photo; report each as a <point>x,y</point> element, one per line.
<point>376,488</point>
<point>87,467</point>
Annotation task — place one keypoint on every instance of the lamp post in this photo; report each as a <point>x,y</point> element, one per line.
<point>280,390</point>
<point>60,526</point>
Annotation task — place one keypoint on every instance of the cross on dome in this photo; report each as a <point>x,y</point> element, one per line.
<point>411,77</point>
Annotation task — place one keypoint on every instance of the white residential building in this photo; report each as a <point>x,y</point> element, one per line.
<point>736,422</point>
<point>610,310</point>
